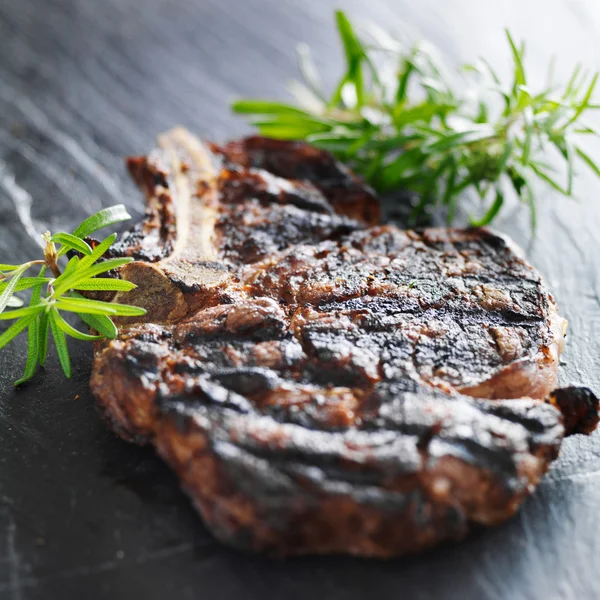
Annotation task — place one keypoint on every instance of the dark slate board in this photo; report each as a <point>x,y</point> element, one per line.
<point>84,82</point>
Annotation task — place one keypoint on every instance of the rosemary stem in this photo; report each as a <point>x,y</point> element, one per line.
<point>396,119</point>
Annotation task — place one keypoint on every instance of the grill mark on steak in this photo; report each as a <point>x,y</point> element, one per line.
<point>248,232</point>
<point>320,383</point>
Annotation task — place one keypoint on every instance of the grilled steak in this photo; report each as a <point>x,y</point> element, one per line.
<point>320,383</point>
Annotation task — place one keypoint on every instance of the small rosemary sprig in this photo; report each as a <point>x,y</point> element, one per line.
<point>43,315</point>
<point>395,117</point>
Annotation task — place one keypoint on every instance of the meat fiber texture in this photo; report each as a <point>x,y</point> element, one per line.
<point>321,383</point>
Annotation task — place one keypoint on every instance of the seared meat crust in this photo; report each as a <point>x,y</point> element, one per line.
<point>320,384</point>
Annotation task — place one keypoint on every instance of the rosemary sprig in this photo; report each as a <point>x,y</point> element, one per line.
<point>43,315</point>
<point>395,118</point>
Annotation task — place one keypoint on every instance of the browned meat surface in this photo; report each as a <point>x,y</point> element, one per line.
<point>320,384</point>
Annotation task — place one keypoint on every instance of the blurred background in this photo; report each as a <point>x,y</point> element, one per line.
<point>84,83</point>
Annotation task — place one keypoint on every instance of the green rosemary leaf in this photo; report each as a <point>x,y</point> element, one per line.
<point>24,283</point>
<point>570,155</point>
<point>571,85</point>
<point>21,312</point>
<point>8,268</point>
<point>60,342</point>
<point>98,251</point>
<point>66,305</point>
<point>70,242</point>
<point>15,329</point>
<point>71,267</point>
<point>103,218</point>
<point>462,137</point>
<point>37,291</point>
<point>338,140</point>
<point>308,121</point>
<point>286,131</point>
<point>391,174</point>
<point>101,323</point>
<point>547,178</point>
<point>528,138</point>
<point>81,274</point>
<point>520,78</point>
<point>11,285</point>
<point>355,53</point>
<point>331,143</point>
<point>71,331</point>
<point>492,211</point>
<point>32,353</point>
<point>490,70</point>
<point>265,107</point>
<point>103,267</point>
<point>541,164</point>
<point>564,146</point>
<point>507,153</point>
<point>483,114</point>
<point>404,77</point>
<point>33,334</point>
<point>588,161</point>
<point>106,285</point>
<point>110,308</point>
<point>422,112</point>
<point>126,310</point>
<point>393,144</point>
<point>584,103</point>
<point>43,331</point>
<point>299,126</point>
<point>586,130</point>
<point>525,98</point>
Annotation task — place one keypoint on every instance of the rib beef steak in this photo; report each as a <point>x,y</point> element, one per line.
<point>321,383</point>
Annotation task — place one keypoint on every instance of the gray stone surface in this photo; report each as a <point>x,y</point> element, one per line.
<point>84,82</point>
